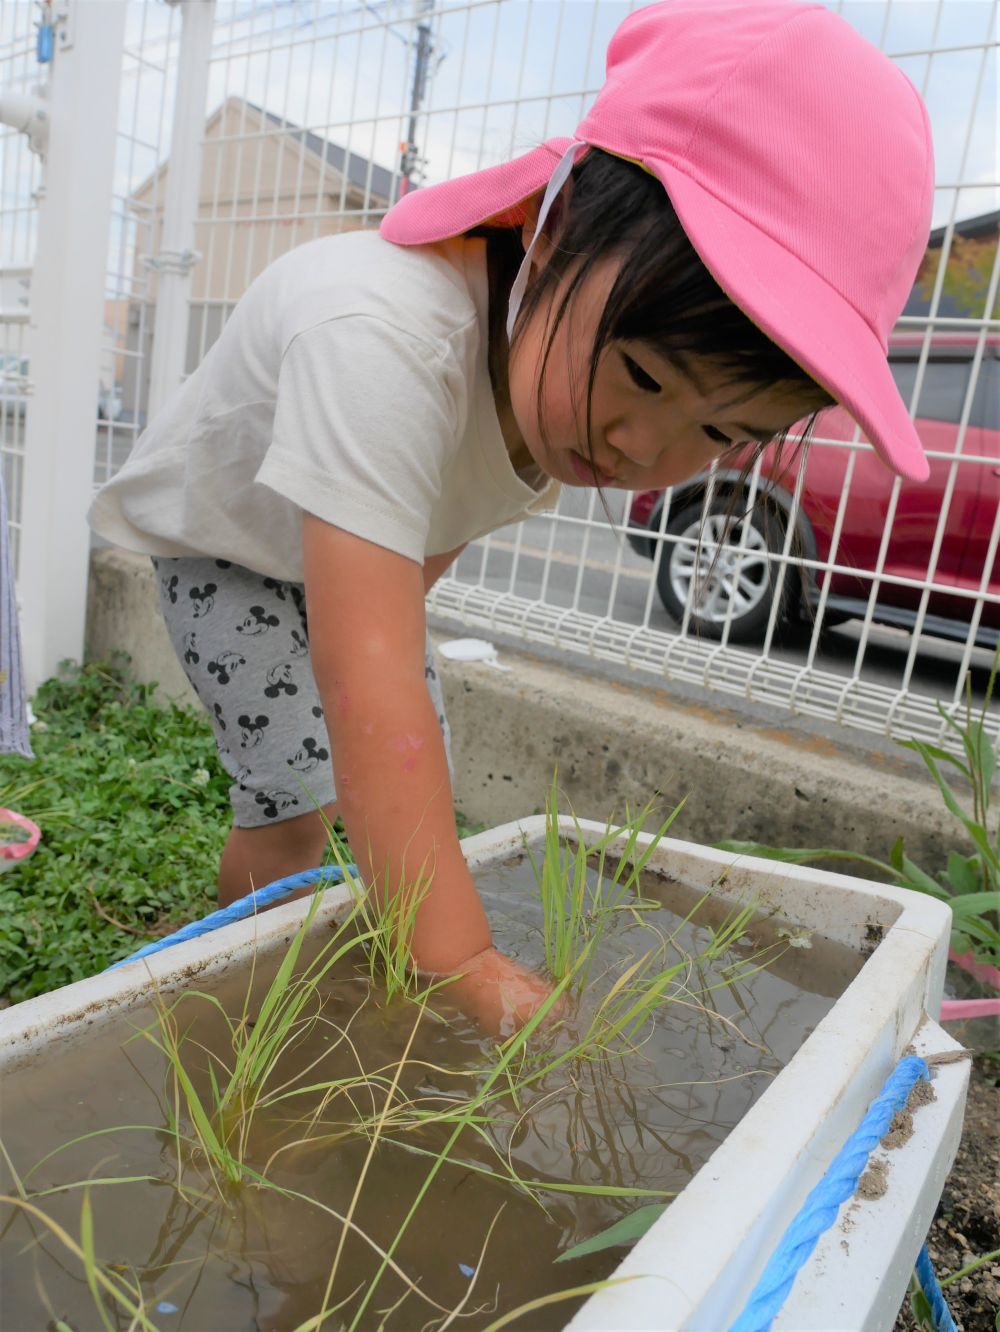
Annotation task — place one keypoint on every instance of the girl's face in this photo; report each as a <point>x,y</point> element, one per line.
<point>651,425</point>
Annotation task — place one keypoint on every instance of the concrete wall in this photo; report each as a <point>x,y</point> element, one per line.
<point>123,615</point>
<point>614,742</point>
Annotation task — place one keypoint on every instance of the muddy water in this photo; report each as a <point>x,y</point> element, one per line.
<point>255,1258</point>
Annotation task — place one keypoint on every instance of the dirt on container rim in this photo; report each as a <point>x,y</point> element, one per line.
<point>967,1222</point>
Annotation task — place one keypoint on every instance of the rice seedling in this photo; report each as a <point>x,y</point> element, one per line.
<point>581,887</point>
<point>373,1144</point>
<point>387,917</point>
<point>652,982</point>
<point>462,1118</point>
<point>218,1090</point>
<point>103,1285</point>
<point>241,1079</point>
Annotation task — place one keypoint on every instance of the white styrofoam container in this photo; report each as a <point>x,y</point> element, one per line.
<point>695,1268</point>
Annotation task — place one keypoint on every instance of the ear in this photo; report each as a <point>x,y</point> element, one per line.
<point>553,222</point>
<point>532,207</point>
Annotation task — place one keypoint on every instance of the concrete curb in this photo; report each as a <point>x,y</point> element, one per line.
<point>613,743</point>
<point>616,744</point>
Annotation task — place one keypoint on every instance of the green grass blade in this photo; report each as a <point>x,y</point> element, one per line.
<point>626,1230</point>
<point>543,1301</point>
<point>87,1183</point>
<point>91,1268</point>
<point>508,1053</point>
<point>89,1260</point>
<point>974,904</point>
<point>798,855</point>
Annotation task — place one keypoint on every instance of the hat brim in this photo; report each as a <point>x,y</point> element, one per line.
<point>786,299</point>
<point>493,195</point>
<point>804,315</point>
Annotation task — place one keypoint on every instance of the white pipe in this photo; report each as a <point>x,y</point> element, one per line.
<point>177,256</point>
<point>64,337</point>
<point>29,113</point>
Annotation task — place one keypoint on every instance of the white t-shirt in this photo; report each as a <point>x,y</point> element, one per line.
<point>351,381</point>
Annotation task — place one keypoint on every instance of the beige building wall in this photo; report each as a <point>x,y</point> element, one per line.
<point>263,191</point>
<point>115,331</point>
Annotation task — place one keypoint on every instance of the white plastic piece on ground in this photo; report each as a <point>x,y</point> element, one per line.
<point>696,1267</point>
<point>472,649</point>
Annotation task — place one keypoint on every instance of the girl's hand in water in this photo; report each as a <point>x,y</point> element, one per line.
<point>499,992</point>
<point>391,769</point>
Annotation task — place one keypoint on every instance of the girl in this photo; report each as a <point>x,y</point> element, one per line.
<point>720,251</point>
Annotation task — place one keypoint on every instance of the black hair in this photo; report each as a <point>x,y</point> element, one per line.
<point>664,294</point>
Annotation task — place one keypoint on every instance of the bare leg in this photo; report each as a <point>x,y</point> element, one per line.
<point>255,857</point>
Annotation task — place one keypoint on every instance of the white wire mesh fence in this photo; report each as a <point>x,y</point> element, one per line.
<point>19,179</point>
<point>149,71</point>
<point>845,596</point>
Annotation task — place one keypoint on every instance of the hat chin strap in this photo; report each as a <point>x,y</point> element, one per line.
<point>557,180</point>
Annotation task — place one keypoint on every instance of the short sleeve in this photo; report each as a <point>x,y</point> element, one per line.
<point>366,419</point>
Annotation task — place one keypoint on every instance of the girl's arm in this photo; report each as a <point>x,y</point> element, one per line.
<point>436,565</point>
<point>366,633</point>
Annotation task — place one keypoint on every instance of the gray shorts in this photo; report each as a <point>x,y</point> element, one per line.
<point>243,641</point>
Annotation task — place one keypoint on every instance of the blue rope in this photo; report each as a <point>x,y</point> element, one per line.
<point>933,1293</point>
<point>819,1211</point>
<point>245,906</point>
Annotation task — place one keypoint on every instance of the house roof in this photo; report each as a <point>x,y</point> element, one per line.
<point>981,227</point>
<point>382,185</point>
<point>381,188</point>
<point>986,224</point>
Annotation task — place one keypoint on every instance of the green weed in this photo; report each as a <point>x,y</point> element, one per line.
<point>134,809</point>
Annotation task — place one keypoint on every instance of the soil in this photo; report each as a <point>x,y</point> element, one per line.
<point>967,1222</point>
<point>874,1181</point>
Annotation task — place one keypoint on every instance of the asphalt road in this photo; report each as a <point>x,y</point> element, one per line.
<point>582,561</point>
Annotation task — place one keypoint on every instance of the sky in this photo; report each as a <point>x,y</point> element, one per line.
<point>505,74</point>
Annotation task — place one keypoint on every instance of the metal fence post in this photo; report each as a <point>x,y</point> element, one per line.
<point>177,255</point>
<point>65,332</point>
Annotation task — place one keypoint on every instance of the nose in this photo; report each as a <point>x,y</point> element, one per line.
<point>635,446</point>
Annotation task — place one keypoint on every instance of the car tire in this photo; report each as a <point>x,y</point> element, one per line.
<point>690,546</point>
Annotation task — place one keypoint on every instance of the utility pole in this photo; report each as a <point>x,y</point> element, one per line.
<point>410,165</point>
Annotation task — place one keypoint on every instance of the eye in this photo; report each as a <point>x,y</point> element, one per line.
<point>716,436</point>
<point>639,376</point>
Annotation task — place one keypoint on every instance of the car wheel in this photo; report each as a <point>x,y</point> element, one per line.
<point>734,582</point>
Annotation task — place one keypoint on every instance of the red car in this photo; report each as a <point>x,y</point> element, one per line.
<point>744,582</point>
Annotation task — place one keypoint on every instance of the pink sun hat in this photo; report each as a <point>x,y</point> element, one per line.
<point>799,161</point>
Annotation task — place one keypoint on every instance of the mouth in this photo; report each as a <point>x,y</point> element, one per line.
<point>587,473</point>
